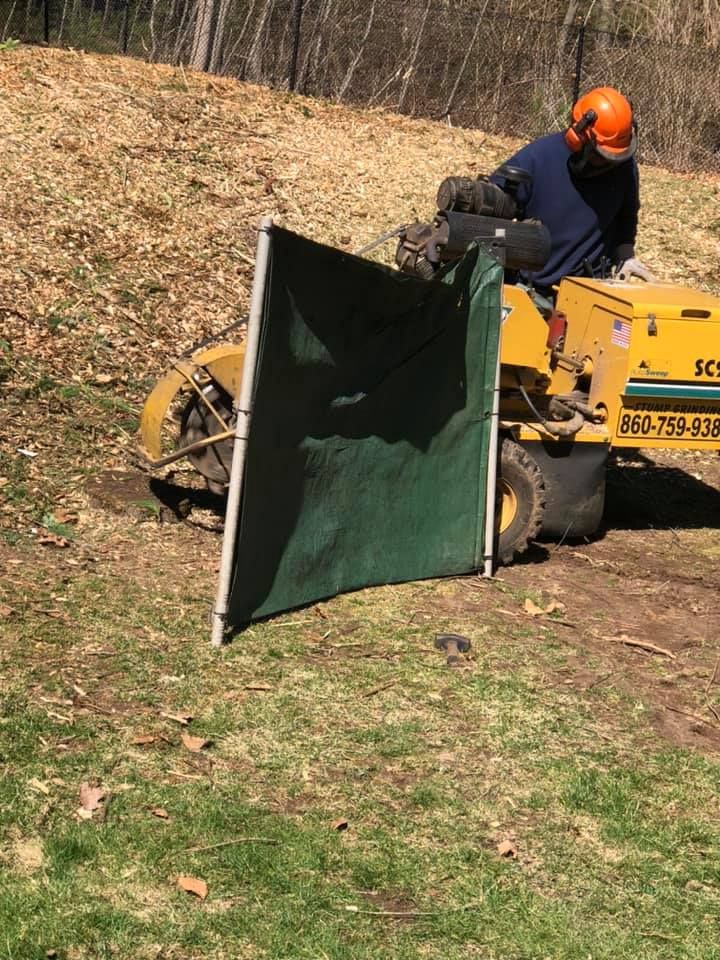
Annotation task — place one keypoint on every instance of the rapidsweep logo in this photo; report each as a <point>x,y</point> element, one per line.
<point>655,369</point>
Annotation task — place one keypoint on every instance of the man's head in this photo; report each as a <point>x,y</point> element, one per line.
<point>601,134</point>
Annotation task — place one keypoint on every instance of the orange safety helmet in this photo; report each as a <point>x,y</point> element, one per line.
<point>603,118</point>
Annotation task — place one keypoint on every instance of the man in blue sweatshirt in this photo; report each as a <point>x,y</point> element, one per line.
<point>584,189</point>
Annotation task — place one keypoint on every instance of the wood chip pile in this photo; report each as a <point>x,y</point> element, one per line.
<point>132,193</point>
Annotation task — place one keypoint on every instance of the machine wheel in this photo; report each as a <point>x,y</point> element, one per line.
<point>198,422</point>
<point>520,501</point>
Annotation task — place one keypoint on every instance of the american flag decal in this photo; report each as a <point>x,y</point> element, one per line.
<point>620,334</point>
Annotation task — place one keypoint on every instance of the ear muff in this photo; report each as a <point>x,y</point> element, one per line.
<point>580,133</point>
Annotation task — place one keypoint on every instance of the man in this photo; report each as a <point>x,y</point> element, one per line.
<point>585,190</point>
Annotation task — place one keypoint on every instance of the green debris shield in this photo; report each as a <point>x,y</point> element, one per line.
<point>367,453</point>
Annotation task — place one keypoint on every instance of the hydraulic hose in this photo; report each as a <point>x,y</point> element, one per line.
<point>562,428</point>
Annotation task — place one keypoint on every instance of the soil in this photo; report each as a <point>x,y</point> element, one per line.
<point>651,576</point>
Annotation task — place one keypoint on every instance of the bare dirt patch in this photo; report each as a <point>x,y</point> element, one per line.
<point>651,577</point>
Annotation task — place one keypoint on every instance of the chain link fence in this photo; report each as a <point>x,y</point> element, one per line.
<point>442,59</point>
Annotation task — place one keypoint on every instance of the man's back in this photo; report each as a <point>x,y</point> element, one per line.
<point>588,217</point>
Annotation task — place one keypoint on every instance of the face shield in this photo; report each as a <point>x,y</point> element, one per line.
<point>594,160</point>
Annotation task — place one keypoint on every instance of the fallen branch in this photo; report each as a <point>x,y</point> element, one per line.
<point>643,645</point>
<point>593,562</point>
<point>596,683</point>
<point>693,716</point>
<point>711,681</point>
<point>379,688</point>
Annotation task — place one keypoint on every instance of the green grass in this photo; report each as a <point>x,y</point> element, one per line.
<point>618,853</point>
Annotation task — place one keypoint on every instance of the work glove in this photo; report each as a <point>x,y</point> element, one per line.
<point>633,268</point>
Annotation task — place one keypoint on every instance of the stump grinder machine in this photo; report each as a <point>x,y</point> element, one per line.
<point>611,365</point>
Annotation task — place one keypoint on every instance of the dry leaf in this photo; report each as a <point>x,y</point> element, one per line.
<point>532,608</point>
<point>160,812</point>
<point>258,686</point>
<point>144,739</point>
<point>507,849</point>
<point>195,744</point>
<point>52,540</point>
<point>91,796</point>
<point>65,516</point>
<point>6,611</point>
<point>555,606</point>
<point>36,784</point>
<point>340,824</point>
<point>198,888</point>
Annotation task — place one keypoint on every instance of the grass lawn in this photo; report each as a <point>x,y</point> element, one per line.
<point>356,795</point>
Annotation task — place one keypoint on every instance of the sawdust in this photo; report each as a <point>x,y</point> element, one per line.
<point>133,191</point>
<point>26,855</point>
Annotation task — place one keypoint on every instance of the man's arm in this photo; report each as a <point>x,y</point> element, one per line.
<point>525,160</point>
<point>626,264</point>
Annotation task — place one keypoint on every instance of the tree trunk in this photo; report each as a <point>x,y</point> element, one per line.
<point>240,74</point>
<point>200,53</point>
<point>216,56</point>
<point>7,22</point>
<point>62,21</point>
<point>463,67</point>
<point>182,34</point>
<point>351,69</point>
<point>255,53</point>
<point>604,22</point>
<point>412,66</point>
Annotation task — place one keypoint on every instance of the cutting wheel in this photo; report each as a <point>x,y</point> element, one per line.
<point>199,422</point>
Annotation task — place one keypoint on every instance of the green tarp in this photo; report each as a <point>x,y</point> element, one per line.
<point>367,456</point>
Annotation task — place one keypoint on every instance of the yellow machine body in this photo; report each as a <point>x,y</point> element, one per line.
<point>654,351</point>
<point>650,355</point>
<point>634,365</point>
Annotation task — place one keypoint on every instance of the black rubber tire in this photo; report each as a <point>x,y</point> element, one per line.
<point>197,423</point>
<point>522,474</point>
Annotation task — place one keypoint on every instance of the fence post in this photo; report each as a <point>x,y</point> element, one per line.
<point>46,21</point>
<point>578,62</point>
<point>125,27</point>
<point>295,27</point>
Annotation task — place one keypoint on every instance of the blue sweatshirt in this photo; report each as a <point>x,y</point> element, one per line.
<point>587,218</point>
